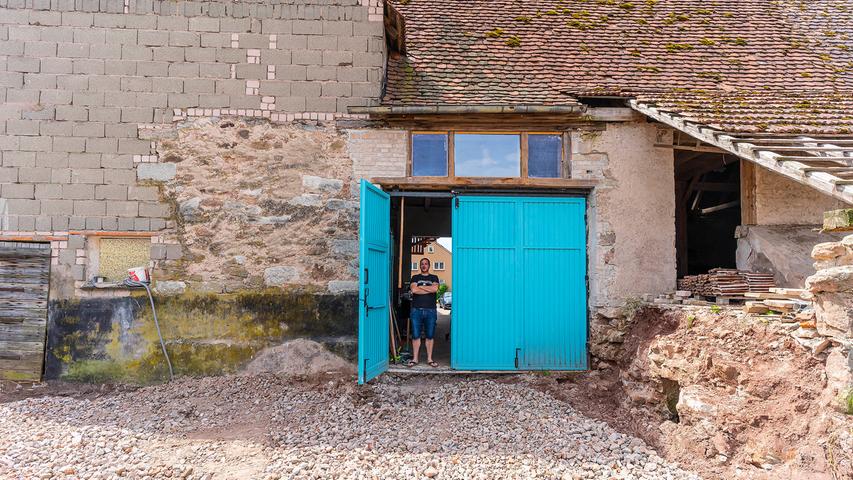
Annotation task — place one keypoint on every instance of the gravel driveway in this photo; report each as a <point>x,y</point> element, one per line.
<point>270,427</point>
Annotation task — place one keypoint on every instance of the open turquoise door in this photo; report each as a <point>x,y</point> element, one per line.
<point>374,236</point>
<point>519,283</point>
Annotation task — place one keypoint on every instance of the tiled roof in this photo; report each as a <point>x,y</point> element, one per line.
<point>759,58</point>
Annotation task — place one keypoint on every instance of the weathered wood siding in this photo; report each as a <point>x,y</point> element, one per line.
<point>24,283</point>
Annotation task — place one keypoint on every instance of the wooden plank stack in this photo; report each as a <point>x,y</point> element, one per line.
<point>726,282</point>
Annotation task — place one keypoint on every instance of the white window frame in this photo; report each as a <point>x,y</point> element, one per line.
<point>435,266</point>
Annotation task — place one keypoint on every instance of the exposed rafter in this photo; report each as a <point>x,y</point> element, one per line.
<point>824,163</point>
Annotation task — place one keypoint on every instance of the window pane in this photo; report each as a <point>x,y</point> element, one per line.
<point>429,155</point>
<point>487,155</point>
<point>544,153</point>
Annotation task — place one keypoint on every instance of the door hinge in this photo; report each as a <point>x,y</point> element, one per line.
<point>456,201</point>
<point>516,357</point>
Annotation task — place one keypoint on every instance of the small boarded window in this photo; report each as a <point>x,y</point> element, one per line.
<point>117,255</point>
<point>545,154</point>
<point>429,154</point>
<point>487,155</point>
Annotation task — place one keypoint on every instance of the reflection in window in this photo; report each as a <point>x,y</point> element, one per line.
<point>429,154</point>
<point>544,153</point>
<point>487,155</point>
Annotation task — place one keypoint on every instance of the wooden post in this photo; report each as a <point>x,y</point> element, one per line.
<point>402,218</point>
<point>747,193</point>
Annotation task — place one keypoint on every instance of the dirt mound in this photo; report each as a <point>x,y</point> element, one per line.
<point>729,395</point>
<point>298,357</point>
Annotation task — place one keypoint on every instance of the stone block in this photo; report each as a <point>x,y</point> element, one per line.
<point>57,207</point>
<point>342,286</point>
<point>161,172</point>
<point>34,175</point>
<point>280,275</point>
<point>48,191</point>
<point>174,252</point>
<point>89,208</point>
<point>154,209</point>
<point>169,287</point>
<point>838,220</point>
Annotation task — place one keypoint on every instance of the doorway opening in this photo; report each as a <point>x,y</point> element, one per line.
<point>421,226</point>
<point>708,210</point>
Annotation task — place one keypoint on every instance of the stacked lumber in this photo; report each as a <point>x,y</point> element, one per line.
<point>781,300</point>
<point>726,282</point>
<point>759,282</point>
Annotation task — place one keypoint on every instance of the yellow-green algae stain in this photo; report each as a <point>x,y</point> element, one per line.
<point>205,334</point>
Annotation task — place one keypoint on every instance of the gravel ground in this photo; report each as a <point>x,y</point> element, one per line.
<point>266,426</point>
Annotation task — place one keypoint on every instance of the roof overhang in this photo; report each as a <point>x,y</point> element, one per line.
<point>462,109</point>
<point>824,163</point>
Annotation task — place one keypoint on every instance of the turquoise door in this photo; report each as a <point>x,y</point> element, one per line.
<point>374,282</point>
<point>519,279</point>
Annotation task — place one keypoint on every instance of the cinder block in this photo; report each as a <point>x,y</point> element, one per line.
<point>59,223</point>
<point>199,85</point>
<point>141,224</point>
<point>147,194</point>
<point>76,223</point>
<point>321,104</point>
<point>157,100</point>
<point>11,79</point>
<point>316,73</point>
<point>109,223</point>
<point>152,69</point>
<point>24,32</point>
<point>89,207</point>
<point>323,42</point>
<point>57,34</point>
<point>87,66</point>
<point>111,192</point>
<point>235,25</point>
<point>135,84</point>
<point>148,22</point>
<point>169,54</point>
<point>91,98</point>
<point>307,57</point>
<point>174,252</point>
<point>78,19</point>
<point>60,175</point>
<point>366,90</point>
<point>88,129</point>
<point>368,59</point>
<point>292,42</point>
<point>22,127</point>
<point>40,49</point>
<point>57,207</point>
<point>151,38</point>
<point>48,191</point>
<point>22,64</point>
<point>26,224</point>
<point>275,57</point>
<point>90,36</point>
<point>120,67</point>
<point>305,89</point>
<point>369,29</point>
<point>231,87</point>
<point>215,40</point>
<point>72,50</point>
<point>43,223</point>
<point>78,83</point>
<point>336,89</point>
<point>93,176</point>
<point>104,83</point>
<point>21,206</point>
<point>125,224</point>
<point>251,71</point>
<point>254,40</point>
<point>101,145</point>
<point>121,37</point>
<point>158,251</point>
<point>92,223</point>
<point>230,55</point>
<point>204,24</point>
<point>134,146</point>
<point>15,158</point>
<point>138,53</point>
<point>183,70</point>
<point>246,102</point>
<point>117,161</point>
<point>106,51</point>
<point>214,70</point>
<point>137,114</point>
<point>275,88</point>
<point>55,97</point>
<point>34,175</point>
<point>17,190</point>
<point>154,209</point>
<point>183,100</point>
<point>166,22</point>
<point>35,144</point>
<point>56,129</point>
<point>290,104</point>
<point>120,176</point>
<point>167,85</point>
<point>307,27</point>
<point>69,112</point>
<point>337,27</point>
<point>8,174</point>
<point>9,47</point>
<point>206,100</point>
<point>39,81</point>
<point>123,208</point>
<point>352,74</point>
<point>104,114</point>
<point>199,54</point>
<point>84,160</point>
<point>52,160</point>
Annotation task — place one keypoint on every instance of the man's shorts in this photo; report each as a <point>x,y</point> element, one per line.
<point>423,322</point>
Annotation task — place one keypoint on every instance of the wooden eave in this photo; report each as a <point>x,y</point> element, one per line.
<point>481,183</point>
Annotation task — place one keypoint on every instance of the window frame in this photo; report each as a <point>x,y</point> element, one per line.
<point>565,160</point>
<point>435,264</point>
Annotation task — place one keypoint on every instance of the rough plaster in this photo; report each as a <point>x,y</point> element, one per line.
<point>781,201</point>
<point>631,213</point>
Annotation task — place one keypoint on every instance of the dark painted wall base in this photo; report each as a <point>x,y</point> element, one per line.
<point>115,340</point>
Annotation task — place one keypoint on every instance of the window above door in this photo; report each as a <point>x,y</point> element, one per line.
<point>489,154</point>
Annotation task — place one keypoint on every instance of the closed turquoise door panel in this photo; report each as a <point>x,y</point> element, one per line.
<point>374,282</point>
<point>486,322</point>
<point>554,284</point>
<point>519,279</point>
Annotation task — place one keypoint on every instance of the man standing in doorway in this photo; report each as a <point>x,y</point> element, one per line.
<point>424,315</point>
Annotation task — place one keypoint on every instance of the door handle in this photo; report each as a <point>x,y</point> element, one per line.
<point>516,357</point>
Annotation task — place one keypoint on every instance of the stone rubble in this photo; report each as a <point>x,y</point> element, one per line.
<point>269,427</point>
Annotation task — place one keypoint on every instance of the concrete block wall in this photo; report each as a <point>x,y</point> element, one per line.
<point>89,89</point>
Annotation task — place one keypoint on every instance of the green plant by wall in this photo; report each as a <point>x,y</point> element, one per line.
<point>441,291</point>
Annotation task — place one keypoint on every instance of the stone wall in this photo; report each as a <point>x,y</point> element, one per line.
<point>782,201</point>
